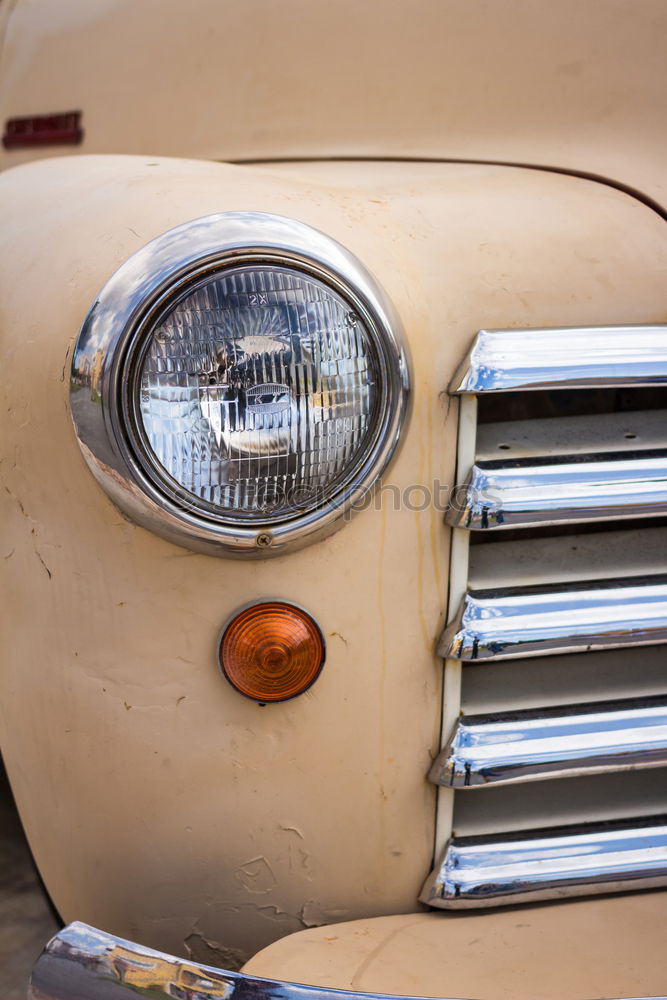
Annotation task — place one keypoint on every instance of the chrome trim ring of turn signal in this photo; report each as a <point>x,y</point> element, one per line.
<point>112,347</point>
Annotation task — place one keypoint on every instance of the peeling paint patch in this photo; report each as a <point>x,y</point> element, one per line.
<point>273,912</point>
<point>291,829</point>
<point>256,875</point>
<point>200,949</point>
<point>312,914</point>
<point>298,858</point>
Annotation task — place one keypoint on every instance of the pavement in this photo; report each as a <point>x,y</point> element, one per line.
<point>27,920</point>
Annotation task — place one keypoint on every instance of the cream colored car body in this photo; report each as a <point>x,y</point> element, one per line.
<point>159,803</point>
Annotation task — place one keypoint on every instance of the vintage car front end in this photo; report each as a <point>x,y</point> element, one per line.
<point>334,508</point>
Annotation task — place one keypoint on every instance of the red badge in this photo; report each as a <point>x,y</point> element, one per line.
<point>62,129</point>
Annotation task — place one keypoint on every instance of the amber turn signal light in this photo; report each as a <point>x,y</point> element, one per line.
<point>272,652</point>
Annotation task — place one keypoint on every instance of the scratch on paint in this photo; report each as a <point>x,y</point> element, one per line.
<point>337,635</point>
<point>48,571</point>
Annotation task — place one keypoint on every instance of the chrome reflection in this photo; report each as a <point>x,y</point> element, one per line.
<point>561,491</point>
<point>573,861</point>
<point>567,357</point>
<point>510,747</point>
<point>82,962</point>
<point>576,617</point>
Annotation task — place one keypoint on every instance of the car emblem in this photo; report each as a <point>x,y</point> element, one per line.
<point>268,397</point>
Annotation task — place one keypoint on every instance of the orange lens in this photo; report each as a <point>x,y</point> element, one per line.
<point>272,652</point>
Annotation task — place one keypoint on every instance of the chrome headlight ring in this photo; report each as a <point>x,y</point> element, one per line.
<point>113,341</point>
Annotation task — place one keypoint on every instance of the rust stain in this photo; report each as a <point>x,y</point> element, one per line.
<point>424,466</point>
<point>437,553</point>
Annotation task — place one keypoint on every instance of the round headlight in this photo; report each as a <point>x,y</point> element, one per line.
<point>239,383</point>
<point>256,394</point>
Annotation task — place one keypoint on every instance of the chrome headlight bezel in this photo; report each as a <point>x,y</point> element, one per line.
<point>123,316</point>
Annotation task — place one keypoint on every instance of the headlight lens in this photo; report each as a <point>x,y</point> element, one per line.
<point>257,393</point>
<point>239,383</point>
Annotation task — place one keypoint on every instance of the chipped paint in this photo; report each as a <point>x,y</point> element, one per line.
<point>202,949</point>
<point>314,914</point>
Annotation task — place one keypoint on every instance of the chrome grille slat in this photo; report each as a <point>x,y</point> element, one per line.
<point>526,493</point>
<point>564,358</point>
<point>531,745</point>
<point>572,861</point>
<point>518,622</point>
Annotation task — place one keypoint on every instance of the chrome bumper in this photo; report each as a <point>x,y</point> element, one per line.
<point>82,963</point>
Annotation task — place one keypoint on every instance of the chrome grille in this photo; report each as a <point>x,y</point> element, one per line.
<point>555,663</point>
